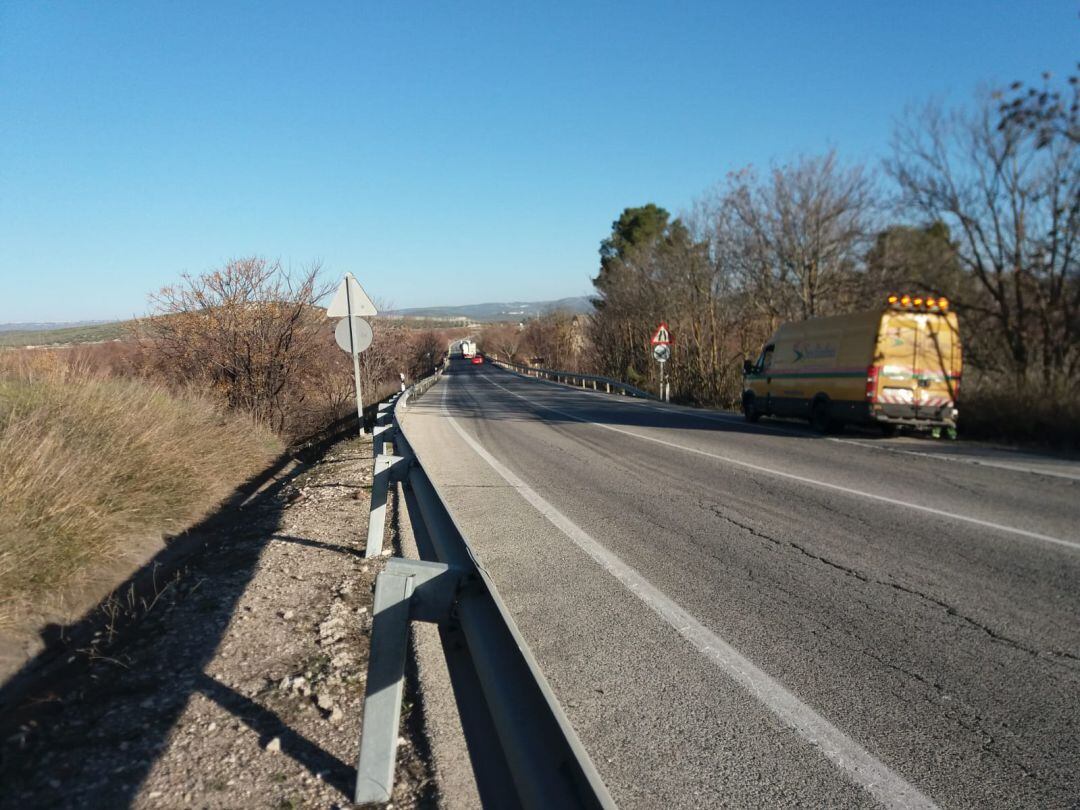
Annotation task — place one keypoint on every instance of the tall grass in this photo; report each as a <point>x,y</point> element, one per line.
<point>91,466</point>
<point>995,408</point>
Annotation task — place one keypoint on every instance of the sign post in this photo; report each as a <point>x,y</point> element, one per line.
<point>353,334</point>
<point>661,343</point>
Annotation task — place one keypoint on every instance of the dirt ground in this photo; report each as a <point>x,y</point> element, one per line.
<point>243,685</point>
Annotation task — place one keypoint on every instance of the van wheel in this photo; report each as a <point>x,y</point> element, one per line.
<point>819,416</point>
<point>749,409</point>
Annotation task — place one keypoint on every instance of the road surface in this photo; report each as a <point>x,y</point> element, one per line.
<point>738,615</point>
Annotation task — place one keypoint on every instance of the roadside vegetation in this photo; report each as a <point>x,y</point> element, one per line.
<point>92,468</point>
<point>105,447</point>
<point>979,204</point>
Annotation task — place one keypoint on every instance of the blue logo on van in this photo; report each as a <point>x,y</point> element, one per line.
<point>817,352</point>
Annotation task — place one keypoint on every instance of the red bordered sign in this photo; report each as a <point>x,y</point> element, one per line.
<point>662,336</point>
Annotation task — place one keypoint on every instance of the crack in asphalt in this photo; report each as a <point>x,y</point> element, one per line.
<point>1056,656</point>
<point>966,716</point>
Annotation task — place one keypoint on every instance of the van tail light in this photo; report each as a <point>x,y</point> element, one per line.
<point>871,383</point>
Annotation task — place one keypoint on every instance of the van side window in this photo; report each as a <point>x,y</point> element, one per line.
<point>766,358</point>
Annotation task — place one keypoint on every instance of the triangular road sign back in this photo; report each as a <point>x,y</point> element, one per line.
<point>662,336</point>
<point>350,289</point>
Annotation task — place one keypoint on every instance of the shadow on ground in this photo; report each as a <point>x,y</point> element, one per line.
<point>84,721</point>
<point>557,403</point>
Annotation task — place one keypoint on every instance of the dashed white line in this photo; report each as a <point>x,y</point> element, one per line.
<point>712,416</point>
<point>987,524</point>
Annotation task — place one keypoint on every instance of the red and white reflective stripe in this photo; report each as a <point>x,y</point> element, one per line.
<point>896,396</point>
<point>906,396</point>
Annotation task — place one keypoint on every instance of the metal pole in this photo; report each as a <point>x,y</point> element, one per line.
<point>355,355</point>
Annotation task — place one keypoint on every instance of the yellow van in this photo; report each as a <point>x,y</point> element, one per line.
<point>895,366</point>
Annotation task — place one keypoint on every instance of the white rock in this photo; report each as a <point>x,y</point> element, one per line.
<point>274,745</point>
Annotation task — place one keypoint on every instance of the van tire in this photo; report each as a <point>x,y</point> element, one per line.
<point>749,409</point>
<point>820,418</point>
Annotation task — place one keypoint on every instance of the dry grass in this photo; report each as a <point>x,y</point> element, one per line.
<point>90,466</point>
<point>995,409</point>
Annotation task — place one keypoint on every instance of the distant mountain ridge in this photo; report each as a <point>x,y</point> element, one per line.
<point>60,334</point>
<point>498,310</point>
<point>39,327</point>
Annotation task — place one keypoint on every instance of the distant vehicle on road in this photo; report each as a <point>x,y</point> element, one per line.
<point>468,349</point>
<point>897,366</point>
<point>478,359</point>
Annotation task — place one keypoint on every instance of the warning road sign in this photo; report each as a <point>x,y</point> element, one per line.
<point>350,299</point>
<point>662,336</point>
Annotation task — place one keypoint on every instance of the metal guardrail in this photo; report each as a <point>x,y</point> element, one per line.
<point>523,749</point>
<point>575,379</point>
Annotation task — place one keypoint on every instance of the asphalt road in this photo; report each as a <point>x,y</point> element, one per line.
<point>735,615</point>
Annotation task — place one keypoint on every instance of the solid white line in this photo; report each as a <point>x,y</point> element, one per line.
<point>859,765</point>
<point>800,478</point>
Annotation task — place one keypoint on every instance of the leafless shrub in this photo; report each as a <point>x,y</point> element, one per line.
<point>245,332</point>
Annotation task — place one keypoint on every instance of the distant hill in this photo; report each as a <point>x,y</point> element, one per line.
<point>60,334</point>
<point>39,327</point>
<point>497,311</point>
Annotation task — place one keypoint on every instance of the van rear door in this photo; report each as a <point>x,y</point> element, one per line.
<point>936,364</point>
<point>898,342</point>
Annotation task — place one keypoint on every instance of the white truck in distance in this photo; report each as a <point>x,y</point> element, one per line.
<point>468,349</point>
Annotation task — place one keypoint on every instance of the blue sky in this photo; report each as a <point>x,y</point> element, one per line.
<point>443,152</point>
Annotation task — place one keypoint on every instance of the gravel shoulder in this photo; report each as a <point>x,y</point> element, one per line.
<point>243,685</point>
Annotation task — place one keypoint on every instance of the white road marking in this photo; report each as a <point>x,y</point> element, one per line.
<point>713,416</point>
<point>800,478</point>
<point>973,460</point>
<point>859,765</point>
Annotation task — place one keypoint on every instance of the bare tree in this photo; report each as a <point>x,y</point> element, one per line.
<point>501,339</point>
<point>1048,112</point>
<point>425,349</point>
<point>802,233</point>
<point>556,339</point>
<point>245,331</point>
<point>1014,210</point>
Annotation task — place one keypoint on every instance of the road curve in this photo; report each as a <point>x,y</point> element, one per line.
<point>736,615</point>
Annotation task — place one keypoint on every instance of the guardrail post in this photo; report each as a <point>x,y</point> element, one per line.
<point>380,488</point>
<point>379,436</point>
<point>385,687</point>
<point>406,589</point>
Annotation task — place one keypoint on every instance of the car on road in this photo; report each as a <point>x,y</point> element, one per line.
<point>478,359</point>
<point>897,366</point>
